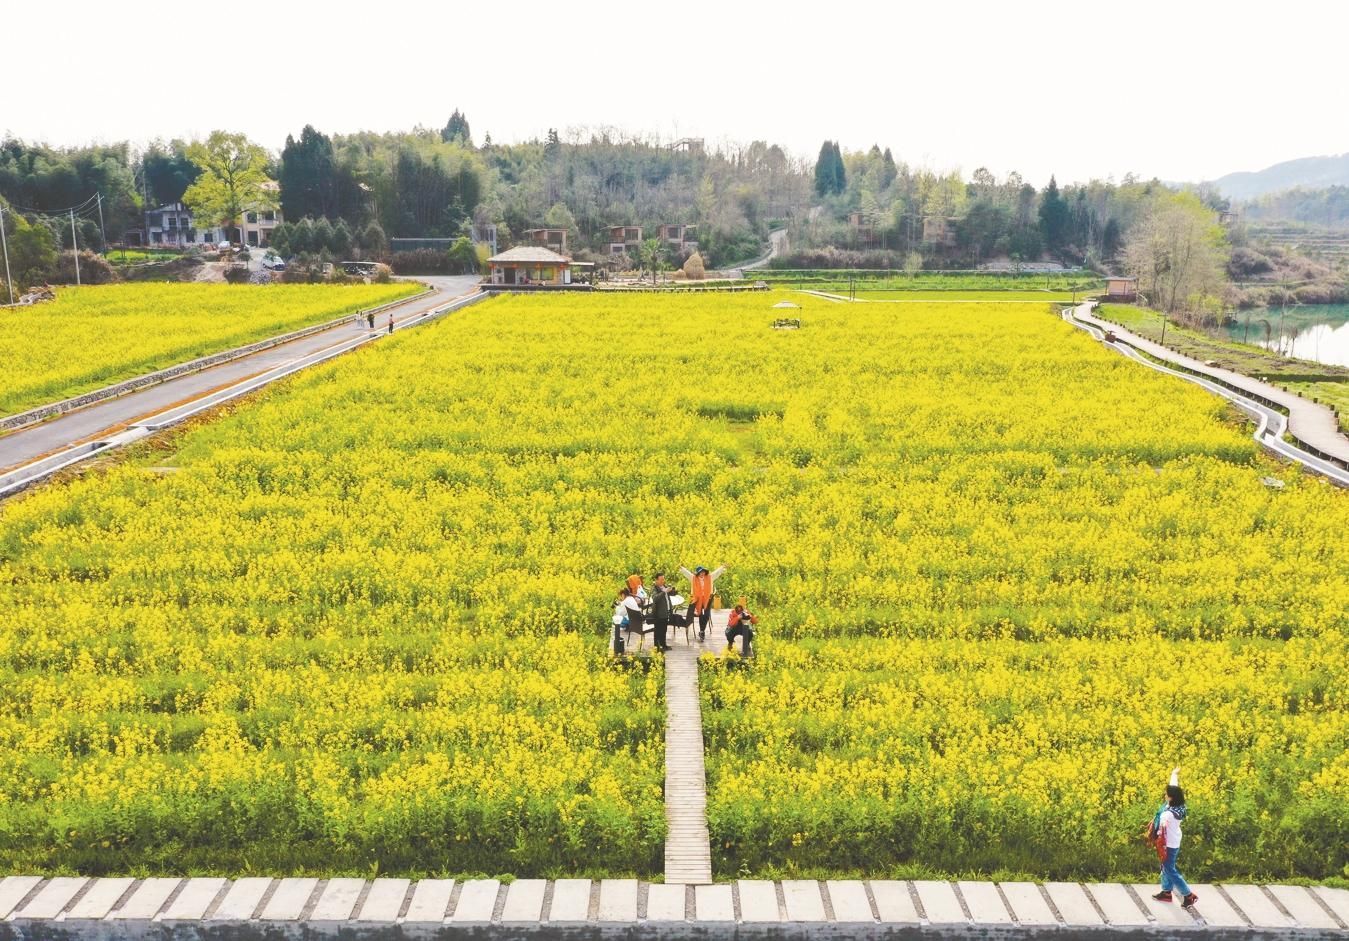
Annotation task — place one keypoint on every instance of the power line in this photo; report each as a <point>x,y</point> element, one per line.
<point>80,206</point>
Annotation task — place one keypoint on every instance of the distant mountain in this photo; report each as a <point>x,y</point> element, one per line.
<point>1307,172</point>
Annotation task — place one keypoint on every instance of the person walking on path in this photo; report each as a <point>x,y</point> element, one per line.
<point>702,583</point>
<point>1166,830</point>
<point>741,624</point>
<point>370,318</point>
<point>391,323</point>
<point>661,609</point>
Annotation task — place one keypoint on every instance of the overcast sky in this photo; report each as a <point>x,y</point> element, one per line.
<point>1182,90</point>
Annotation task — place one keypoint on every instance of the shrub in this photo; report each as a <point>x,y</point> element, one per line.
<point>93,269</point>
<point>1245,262</point>
<point>1323,292</point>
<point>383,274</point>
<point>237,274</point>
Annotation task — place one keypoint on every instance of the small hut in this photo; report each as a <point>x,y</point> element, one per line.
<point>527,264</point>
<point>1121,290</point>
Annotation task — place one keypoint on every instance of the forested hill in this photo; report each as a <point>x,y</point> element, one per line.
<point>1306,173</point>
<point>590,185</point>
<point>431,183</point>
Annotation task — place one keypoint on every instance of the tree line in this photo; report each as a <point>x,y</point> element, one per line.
<point>342,194</point>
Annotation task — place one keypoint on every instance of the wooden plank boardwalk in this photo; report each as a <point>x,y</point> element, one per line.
<point>155,908</point>
<point>688,852</point>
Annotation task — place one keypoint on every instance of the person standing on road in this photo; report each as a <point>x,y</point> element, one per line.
<point>1166,826</point>
<point>702,584</point>
<point>391,323</point>
<point>370,318</point>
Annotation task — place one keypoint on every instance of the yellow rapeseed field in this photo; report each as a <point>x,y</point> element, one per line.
<point>94,336</point>
<point>1006,579</point>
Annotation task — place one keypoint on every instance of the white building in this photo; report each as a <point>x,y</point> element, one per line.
<point>173,225</point>
<point>170,225</point>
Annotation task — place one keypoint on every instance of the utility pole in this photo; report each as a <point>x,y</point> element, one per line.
<point>75,247</point>
<point>102,231</point>
<point>9,282</point>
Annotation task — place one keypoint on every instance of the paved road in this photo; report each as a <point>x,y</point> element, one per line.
<point>777,245</point>
<point>95,421</point>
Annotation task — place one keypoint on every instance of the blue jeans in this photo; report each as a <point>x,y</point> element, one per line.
<point>1171,877</point>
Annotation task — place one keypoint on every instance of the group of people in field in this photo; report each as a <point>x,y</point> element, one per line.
<point>658,606</point>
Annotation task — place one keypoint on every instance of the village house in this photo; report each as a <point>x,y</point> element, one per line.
<point>939,230</point>
<point>555,239</point>
<point>862,230</point>
<point>529,264</point>
<point>624,239</point>
<point>682,239</point>
<point>170,225</point>
<point>173,225</point>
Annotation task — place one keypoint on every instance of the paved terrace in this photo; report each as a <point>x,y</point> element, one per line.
<point>168,907</point>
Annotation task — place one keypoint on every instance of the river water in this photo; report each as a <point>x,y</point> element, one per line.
<point>1318,332</point>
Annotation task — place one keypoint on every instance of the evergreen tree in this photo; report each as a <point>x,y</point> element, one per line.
<point>323,235</point>
<point>457,130</point>
<point>890,171</point>
<point>1111,239</point>
<point>372,239</point>
<point>830,175</point>
<point>840,174</point>
<point>302,237</point>
<point>307,177</point>
<point>1054,214</point>
<point>341,241</point>
<point>280,241</point>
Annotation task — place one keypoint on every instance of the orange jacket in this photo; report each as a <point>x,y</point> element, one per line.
<point>739,614</point>
<point>702,591</point>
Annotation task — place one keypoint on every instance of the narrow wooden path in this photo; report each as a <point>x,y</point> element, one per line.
<point>688,852</point>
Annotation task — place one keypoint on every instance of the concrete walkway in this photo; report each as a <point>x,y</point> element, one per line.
<point>139,908</point>
<point>1271,423</point>
<point>1313,425</point>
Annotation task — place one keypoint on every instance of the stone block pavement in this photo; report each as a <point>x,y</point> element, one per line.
<point>76,907</point>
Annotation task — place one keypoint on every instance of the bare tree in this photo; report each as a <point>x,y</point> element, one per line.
<point>1177,252</point>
